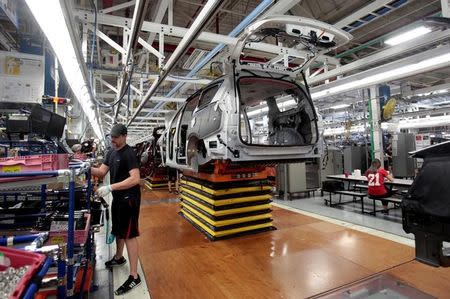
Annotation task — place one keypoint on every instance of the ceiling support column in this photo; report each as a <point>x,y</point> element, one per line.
<point>376,135</point>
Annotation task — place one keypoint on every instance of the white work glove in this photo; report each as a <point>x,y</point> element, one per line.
<point>104,190</point>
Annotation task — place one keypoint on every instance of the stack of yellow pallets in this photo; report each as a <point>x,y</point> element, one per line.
<point>226,209</point>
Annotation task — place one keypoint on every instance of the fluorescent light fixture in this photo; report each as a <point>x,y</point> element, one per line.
<point>340,106</point>
<point>415,123</point>
<point>408,35</point>
<point>384,76</point>
<point>342,130</point>
<point>50,17</point>
<point>281,105</point>
<point>423,94</point>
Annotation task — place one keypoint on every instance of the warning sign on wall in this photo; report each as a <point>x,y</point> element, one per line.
<point>21,77</point>
<point>12,66</point>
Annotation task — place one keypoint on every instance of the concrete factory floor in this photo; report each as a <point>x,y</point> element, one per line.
<point>307,255</point>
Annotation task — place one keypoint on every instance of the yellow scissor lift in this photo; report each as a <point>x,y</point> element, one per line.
<point>157,180</point>
<point>227,202</point>
<point>153,184</point>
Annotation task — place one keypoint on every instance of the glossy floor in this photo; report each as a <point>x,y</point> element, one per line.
<point>351,213</point>
<point>305,256</point>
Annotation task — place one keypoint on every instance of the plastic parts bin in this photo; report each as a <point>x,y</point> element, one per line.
<point>80,236</point>
<point>34,163</point>
<point>20,258</point>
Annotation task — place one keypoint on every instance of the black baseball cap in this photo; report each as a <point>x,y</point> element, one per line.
<point>118,129</point>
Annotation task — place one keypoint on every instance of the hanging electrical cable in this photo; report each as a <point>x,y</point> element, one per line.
<point>112,105</point>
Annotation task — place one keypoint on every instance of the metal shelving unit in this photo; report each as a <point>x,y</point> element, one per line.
<point>65,261</point>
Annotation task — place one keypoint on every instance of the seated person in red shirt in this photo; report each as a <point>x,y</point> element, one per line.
<point>375,181</point>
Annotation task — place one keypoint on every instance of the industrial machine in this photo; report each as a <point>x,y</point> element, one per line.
<point>297,178</point>
<point>30,118</point>
<point>355,157</point>
<point>403,164</point>
<point>426,207</point>
<point>332,162</point>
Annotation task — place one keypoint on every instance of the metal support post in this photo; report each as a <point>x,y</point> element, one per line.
<point>375,128</point>
<point>170,13</point>
<point>366,117</point>
<point>89,189</point>
<point>56,83</point>
<point>70,233</point>
<point>126,34</point>
<point>62,278</point>
<point>161,50</point>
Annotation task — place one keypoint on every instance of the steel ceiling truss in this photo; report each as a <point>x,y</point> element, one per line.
<point>442,50</point>
<point>118,7</point>
<point>203,17</point>
<point>212,38</point>
<point>368,13</point>
<point>401,49</point>
<point>130,43</point>
<point>162,7</point>
<point>161,29</point>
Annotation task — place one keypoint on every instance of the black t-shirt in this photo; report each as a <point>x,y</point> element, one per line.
<point>120,162</point>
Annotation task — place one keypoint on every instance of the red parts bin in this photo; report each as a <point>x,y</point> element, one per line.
<point>80,236</point>
<point>20,258</point>
<point>34,163</point>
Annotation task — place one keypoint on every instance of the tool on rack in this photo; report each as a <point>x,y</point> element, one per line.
<point>57,221</point>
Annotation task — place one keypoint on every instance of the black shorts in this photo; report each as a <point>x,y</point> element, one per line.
<point>172,174</point>
<point>125,216</point>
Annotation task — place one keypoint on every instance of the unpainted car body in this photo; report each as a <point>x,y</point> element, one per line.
<point>150,157</point>
<point>256,112</point>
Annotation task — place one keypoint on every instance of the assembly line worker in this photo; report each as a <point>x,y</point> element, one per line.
<point>375,182</point>
<point>122,163</point>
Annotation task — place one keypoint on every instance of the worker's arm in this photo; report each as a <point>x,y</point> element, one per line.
<point>129,182</point>
<point>100,172</point>
<point>390,178</point>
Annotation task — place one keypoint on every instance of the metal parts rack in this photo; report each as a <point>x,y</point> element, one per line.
<point>66,260</point>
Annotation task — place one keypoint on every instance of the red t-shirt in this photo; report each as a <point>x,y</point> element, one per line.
<point>375,181</point>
